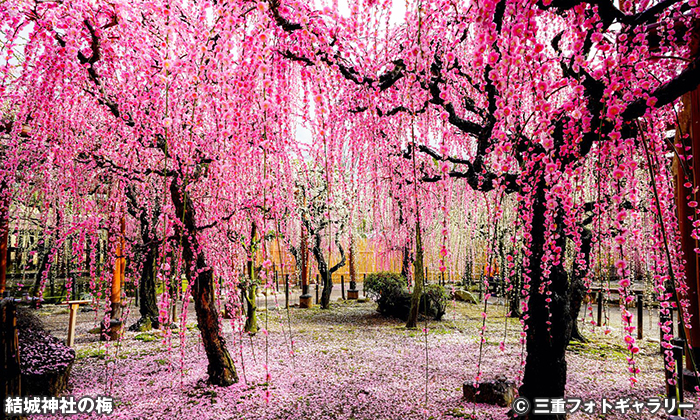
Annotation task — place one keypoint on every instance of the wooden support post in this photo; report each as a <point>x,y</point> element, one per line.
<point>118,278</point>
<point>670,389</point>
<point>353,292</point>
<point>286,290</point>
<point>600,308</point>
<point>316,289</point>
<point>678,351</point>
<point>305,298</point>
<point>73,306</point>
<point>71,325</point>
<point>640,315</point>
<point>342,287</point>
<point>113,330</point>
<point>689,123</point>
<point>364,279</point>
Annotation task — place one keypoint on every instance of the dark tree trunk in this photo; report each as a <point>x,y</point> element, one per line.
<point>44,254</point>
<point>545,366</point>
<point>578,289</point>
<point>417,281</point>
<point>406,251</point>
<point>326,273</point>
<point>221,369</point>
<point>148,308</point>
<point>323,272</point>
<point>406,263</point>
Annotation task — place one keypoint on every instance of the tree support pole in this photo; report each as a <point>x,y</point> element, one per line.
<point>689,124</point>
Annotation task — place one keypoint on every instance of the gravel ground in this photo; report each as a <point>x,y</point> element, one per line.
<point>343,363</point>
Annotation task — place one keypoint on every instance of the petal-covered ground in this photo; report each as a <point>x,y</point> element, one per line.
<point>347,363</point>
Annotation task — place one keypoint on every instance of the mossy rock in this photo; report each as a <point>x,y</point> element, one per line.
<point>146,337</point>
<point>143,325</point>
<point>464,296</point>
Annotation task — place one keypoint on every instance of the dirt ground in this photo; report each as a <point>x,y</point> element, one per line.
<point>346,362</point>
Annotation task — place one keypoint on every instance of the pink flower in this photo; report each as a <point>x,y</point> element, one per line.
<point>493,57</point>
<point>613,110</point>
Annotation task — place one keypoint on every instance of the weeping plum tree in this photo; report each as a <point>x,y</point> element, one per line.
<point>320,220</point>
<point>151,89</point>
<point>528,99</point>
<point>532,94</point>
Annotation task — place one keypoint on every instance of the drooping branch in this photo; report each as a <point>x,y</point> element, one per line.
<point>609,13</point>
<point>687,81</point>
<point>484,181</point>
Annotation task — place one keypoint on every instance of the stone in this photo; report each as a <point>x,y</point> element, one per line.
<point>464,296</point>
<point>499,391</point>
<point>142,325</point>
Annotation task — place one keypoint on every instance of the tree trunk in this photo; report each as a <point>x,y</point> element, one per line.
<point>44,254</point>
<point>221,369</point>
<point>326,273</point>
<point>148,307</point>
<point>545,365</point>
<point>304,261</point>
<point>251,321</point>
<point>326,278</point>
<point>323,272</point>
<point>417,281</point>
<point>578,289</point>
<point>352,270</point>
<point>406,264</point>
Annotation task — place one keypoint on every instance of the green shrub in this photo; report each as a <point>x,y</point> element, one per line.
<point>378,284</point>
<point>393,298</point>
<point>435,298</point>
